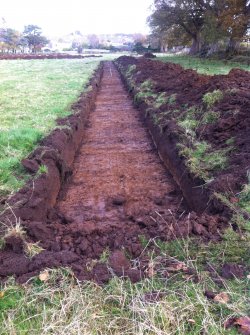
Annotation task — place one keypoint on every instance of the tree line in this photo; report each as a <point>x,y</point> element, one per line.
<point>12,40</point>
<point>203,25</point>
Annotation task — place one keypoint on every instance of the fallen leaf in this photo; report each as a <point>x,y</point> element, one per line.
<point>243,324</point>
<point>234,200</point>
<point>91,264</point>
<point>177,267</point>
<point>1,294</point>
<point>188,277</point>
<point>150,270</point>
<point>44,276</point>
<point>191,321</point>
<point>222,298</point>
<point>153,296</point>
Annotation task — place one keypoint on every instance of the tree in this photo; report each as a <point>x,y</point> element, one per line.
<point>22,43</point>
<point>33,35</point>
<point>202,23</point>
<point>139,38</point>
<point>93,41</point>
<point>235,18</point>
<point>10,39</point>
<point>80,49</point>
<point>182,18</point>
<point>228,21</point>
<point>139,48</point>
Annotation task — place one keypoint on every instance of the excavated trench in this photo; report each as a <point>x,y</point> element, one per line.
<point>119,191</point>
<point>118,176</point>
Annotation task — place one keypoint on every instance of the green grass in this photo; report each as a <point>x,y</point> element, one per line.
<point>244,195</point>
<point>32,95</point>
<point>245,198</point>
<point>146,91</point>
<point>211,98</point>
<point>203,66</point>
<point>202,161</point>
<point>166,303</point>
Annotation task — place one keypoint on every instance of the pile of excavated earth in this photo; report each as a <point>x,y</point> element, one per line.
<point>227,123</point>
<point>115,176</point>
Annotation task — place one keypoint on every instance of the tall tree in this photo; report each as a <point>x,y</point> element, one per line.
<point>22,43</point>
<point>201,22</point>
<point>10,39</point>
<point>93,41</point>
<point>181,16</point>
<point>235,19</point>
<point>228,21</point>
<point>33,35</point>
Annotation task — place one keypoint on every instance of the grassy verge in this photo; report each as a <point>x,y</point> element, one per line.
<point>173,300</point>
<point>204,66</point>
<point>32,95</point>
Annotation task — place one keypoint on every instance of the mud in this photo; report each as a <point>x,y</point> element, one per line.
<point>43,56</point>
<point>92,212</point>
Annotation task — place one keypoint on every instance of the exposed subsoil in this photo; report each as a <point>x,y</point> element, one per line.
<point>43,56</point>
<point>119,190</point>
<point>189,87</point>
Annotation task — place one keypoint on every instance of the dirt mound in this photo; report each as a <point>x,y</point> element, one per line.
<point>94,250</point>
<point>149,55</point>
<point>43,56</point>
<point>226,128</point>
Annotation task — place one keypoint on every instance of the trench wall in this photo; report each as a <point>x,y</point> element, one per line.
<point>35,201</point>
<point>197,197</point>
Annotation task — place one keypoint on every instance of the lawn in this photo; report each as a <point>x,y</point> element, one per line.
<point>32,95</point>
<point>203,66</point>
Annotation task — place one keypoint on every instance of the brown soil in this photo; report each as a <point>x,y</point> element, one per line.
<point>189,88</point>
<point>42,56</point>
<point>119,191</point>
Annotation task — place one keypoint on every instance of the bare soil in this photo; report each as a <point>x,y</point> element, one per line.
<point>115,193</point>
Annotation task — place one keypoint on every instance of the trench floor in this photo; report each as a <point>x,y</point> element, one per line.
<point>118,175</point>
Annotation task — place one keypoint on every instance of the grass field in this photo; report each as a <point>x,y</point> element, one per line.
<point>32,95</point>
<point>174,304</point>
<point>204,66</point>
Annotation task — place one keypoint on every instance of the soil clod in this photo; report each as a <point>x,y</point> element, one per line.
<point>231,271</point>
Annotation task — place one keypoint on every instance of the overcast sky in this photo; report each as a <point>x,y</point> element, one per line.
<point>89,16</point>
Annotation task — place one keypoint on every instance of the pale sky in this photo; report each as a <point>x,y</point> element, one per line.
<point>57,17</point>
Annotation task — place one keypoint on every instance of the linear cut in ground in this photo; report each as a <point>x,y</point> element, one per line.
<point>119,193</point>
